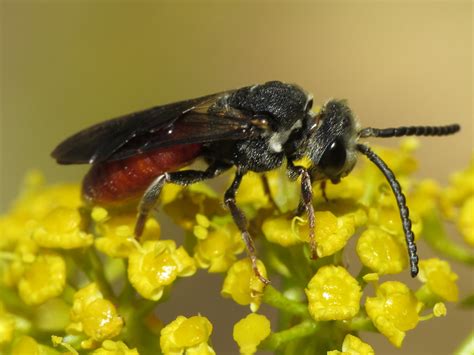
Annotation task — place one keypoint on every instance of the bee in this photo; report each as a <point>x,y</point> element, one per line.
<point>254,128</point>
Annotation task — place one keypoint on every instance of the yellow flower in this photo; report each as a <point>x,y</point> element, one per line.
<point>425,197</point>
<point>380,252</point>
<point>331,232</point>
<point>351,187</point>
<point>24,254</point>
<point>217,246</point>
<point>281,230</point>
<point>157,264</point>
<point>285,193</point>
<point>252,191</point>
<point>439,279</point>
<point>94,315</point>
<point>333,294</point>
<point>393,310</point>
<point>43,279</point>
<point>28,345</point>
<point>32,206</point>
<point>461,185</point>
<point>352,345</point>
<point>194,199</point>
<point>465,222</point>
<point>387,218</point>
<point>7,326</point>
<point>439,310</point>
<point>116,238</point>
<point>242,285</point>
<point>62,228</point>
<point>110,347</point>
<point>250,331</point>
<point>187,335</point>
<point>401,161</point>
<point>37,200</point>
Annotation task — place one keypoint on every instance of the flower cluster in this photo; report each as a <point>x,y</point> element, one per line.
<point>74,279</point>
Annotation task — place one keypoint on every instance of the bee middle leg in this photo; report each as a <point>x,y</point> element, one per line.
<point>185,177</point>
<point>241,222</point>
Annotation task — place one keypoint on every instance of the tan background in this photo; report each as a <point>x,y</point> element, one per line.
<point>68,64</point>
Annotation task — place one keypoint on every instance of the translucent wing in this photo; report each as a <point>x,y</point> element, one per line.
<point>184,122</point>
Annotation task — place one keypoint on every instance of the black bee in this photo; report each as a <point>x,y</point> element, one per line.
<point>255,128</point>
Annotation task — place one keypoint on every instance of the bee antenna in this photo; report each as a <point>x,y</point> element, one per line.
<point>401,201</point>
<point>410,131</point>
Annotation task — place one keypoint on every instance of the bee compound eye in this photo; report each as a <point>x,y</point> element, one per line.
<point>333,158</point>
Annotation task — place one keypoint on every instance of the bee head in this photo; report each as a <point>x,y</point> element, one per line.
<point>332,147</point>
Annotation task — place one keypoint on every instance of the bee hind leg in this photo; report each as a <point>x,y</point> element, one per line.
<point>185,177</point>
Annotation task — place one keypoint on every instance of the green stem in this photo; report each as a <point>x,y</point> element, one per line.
<point>276,299</point>
<point>68,294</point>
<point>467,302</point>
<point>467,346</point>
<point>96,273</point>
<point>435,235</point>
<point>304,329</point>
<point>13,302</point>
<point>362,323</point>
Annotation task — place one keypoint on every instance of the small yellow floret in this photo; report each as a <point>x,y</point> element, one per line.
<point>250,331</point>
<point>243,286</point>
<point>280,230</point>
<point>439,310</point>
<point>43,279</point>
<point>110,347</point>
<point>285,193</point>
<point>352,345</point>
<point>380,252</point>
<point>101,321</point>
<point>62,228</point>
<point>439,278</point>
<point>393,310</point>
<point>28,345</point>
<point>425,197</point>
<point>187,335</point>
<point>217,249</point>
<point>116,234</point>
<point>388,219</point>
<point>333,294</point>
<point>252,191</point>
<point>157,264</point>
<point>331,232</point>
<point>7,326</point>
<point>94,315</point>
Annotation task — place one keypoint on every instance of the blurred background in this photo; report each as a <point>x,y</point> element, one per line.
<point>68,64</point>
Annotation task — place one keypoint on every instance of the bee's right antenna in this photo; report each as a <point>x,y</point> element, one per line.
<point>402,206</point>
<point>409,131</point>
<point>394,184</point>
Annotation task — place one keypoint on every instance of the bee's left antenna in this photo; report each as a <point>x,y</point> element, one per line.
<point>402,206</point>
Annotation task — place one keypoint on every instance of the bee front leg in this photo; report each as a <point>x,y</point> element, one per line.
<point>185,177</point>
<point>306,202</point>
<point>241,222</point>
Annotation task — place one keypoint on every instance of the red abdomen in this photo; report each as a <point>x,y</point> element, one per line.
<point>120,180</point>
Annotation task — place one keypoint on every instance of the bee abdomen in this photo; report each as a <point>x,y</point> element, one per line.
<point>127,179</point>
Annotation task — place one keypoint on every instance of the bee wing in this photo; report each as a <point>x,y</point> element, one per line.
<point>99,142</point>
<point>185,122</point>
<point>192,128</point>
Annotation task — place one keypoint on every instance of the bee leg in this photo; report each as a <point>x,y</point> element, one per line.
<point>185,177</point>
<point>306,203</point>
<point>241,222</point>
<point>268,192</point>
<point>323,185</point>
